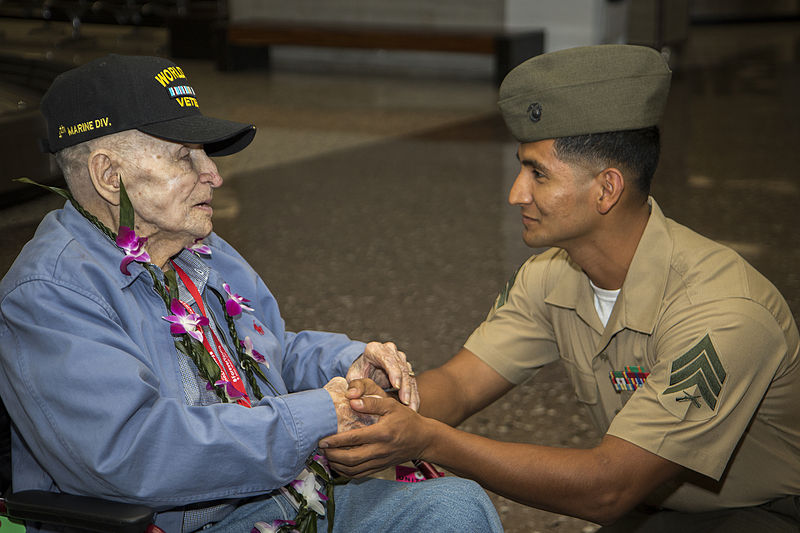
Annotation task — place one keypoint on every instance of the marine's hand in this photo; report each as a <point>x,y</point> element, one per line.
<point>346,418</point>
<point>399,435</point>
<point>387,366</point>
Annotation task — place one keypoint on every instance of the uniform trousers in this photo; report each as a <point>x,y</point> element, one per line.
<point>779,516</point>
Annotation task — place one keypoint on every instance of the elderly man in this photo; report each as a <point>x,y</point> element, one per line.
<point>685,356</point>
<point>143,360</point>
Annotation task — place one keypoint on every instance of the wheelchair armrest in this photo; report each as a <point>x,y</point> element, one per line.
<point>82,512</point>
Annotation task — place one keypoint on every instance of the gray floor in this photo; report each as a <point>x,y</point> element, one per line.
<point>375,204</point>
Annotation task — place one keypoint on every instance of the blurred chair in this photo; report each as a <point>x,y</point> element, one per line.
<point>67,510</point>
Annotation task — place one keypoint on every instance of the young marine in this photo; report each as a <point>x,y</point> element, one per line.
<point>687,359</point>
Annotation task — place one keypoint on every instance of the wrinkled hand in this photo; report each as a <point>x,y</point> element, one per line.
<point>384,364</point>
<point>397,437</point>
<point>346,418</point>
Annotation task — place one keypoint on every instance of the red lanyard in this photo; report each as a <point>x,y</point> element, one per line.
<point>224,362</point>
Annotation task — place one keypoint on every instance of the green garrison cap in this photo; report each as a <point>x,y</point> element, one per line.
<point>590,89</point>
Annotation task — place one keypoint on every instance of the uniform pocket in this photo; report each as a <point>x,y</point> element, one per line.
<point>585,384</point>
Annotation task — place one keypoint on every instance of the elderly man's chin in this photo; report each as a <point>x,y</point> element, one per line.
<point>201,227</point>
<point>206,231</point>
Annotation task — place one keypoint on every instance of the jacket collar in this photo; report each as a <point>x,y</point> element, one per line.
<point>101,248</point>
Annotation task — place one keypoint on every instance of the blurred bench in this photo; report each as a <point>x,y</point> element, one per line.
<point>243,44</point>
<point>121,12</point>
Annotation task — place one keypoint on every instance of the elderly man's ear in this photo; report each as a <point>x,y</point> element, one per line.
<point>104,171</point>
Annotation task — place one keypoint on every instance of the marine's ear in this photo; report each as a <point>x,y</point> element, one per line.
<point>612,183</point>
<point>105,174</point>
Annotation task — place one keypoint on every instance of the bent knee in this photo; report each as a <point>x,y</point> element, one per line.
<point>465,501</point>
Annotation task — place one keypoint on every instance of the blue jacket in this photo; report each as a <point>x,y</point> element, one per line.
<point>91,379</point>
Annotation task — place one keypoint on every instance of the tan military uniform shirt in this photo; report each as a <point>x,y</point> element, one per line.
<point>719,342</point>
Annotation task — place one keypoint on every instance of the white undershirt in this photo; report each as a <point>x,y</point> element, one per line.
<point>604,301</point>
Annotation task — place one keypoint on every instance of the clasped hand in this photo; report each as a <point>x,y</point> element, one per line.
<point>397,435</point>
<point>384,364</point>
<point>387,366</point>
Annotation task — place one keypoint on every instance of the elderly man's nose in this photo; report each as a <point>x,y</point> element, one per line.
<point>213,177</point>
<point>207,169</point>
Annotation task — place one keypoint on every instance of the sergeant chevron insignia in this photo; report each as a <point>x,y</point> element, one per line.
<point>502,298</point>
<point>695,382</point>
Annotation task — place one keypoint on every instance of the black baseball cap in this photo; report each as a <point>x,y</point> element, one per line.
<point>150,94</point>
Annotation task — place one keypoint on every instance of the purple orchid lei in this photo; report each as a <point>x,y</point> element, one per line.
<point>306,486</point>
<point>133,247</point>
<point>199,248</point>
<point>231,392</point>
<point>310,502</point>
<point>247,344</point>
<point>275,526</point>
<point>235,303</point>
<point>306,495</point>
<point>186,326</point>
<point>183,321</point>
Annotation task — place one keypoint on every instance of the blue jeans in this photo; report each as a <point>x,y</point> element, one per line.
<point>377,505</point>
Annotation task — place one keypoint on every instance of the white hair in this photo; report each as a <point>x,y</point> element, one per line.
<point>74,160</point>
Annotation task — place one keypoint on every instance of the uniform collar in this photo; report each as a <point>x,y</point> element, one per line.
<point>642,292</point>
<point>572,291</point>
<point>646,281</point>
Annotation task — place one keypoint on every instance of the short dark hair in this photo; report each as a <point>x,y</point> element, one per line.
<point>634,151</point>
